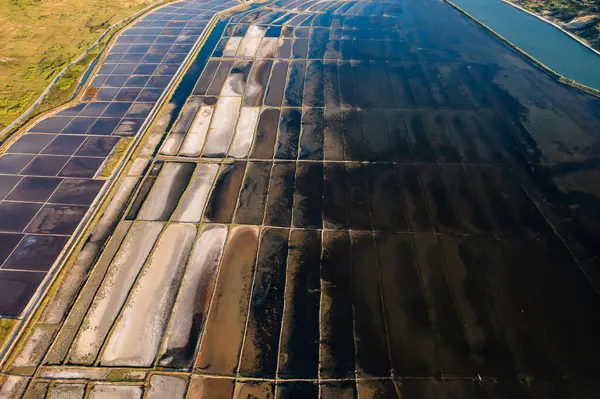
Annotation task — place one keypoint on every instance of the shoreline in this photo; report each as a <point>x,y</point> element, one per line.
<point>549,71</point>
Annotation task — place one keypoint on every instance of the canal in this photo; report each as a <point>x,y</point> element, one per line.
<point>541,40</point>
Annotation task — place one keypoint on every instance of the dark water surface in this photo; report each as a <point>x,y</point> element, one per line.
<point>447,172</point>
<point>412,217</point>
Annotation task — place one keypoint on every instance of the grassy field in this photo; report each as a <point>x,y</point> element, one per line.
<point>581,17</point>
<point>40,37</point>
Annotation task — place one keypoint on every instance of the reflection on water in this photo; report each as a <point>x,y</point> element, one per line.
<point>400,177</point>
<point>386,122</point>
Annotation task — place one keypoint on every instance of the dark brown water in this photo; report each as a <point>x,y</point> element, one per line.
<point>414,219</point>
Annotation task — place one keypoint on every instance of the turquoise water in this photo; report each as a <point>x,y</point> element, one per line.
<point>541,40</point>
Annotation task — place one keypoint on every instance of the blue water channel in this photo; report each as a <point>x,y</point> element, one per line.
<point>541,40</point>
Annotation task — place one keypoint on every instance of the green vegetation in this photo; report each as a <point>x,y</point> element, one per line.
<point>6,328</point>
<point>40,37</point>
<point>115,157</point>
<point>568,9</point>
<point>65,86</point>
<point>580,17</point>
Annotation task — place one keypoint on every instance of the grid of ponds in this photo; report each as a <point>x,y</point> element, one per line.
<point>342,209</point>
<point>49,175</point>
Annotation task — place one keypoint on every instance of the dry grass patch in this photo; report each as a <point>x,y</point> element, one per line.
<point>6,328</point>
<point>115,157</point>
<point>40,37</point>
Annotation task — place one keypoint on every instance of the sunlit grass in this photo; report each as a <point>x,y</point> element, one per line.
<point>6,328</point>
<point>115,157</point>
<point>40,37</point>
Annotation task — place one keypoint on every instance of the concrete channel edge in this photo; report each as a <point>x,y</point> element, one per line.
<point>549,71</point>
